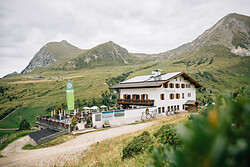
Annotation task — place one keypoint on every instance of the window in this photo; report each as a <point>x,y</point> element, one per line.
<point>159,110</point>
<point>177,85</point>
<point>165,85</point>
<point>163,109</point>
<point>189,94</point>
<point>171,96</point>
<point>183,107</point>
<point>144,97</point>
<point>171,108</point>
<point>174,108</point>
<point>182,95</point>
<point>177,96</point>
<point>126,96</point>
<point>182,85</point>
<point>171,85</point>
<point>168,108</point>
<point>135,97</point>
<point>162,96</point>
<point>178,108</point>
<point>188,86</point>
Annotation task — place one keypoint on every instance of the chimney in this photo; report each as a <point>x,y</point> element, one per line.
<point>157,74</point>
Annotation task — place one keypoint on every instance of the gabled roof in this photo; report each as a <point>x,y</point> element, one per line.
<point>151,81</point>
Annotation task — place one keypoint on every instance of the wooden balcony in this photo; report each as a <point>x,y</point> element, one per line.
<point>135,102</point>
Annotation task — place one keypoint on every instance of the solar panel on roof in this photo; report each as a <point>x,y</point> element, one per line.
<point>149,78</point>
<point>138,79</point>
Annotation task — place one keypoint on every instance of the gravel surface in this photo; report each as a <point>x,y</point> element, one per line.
<point>63,154</point>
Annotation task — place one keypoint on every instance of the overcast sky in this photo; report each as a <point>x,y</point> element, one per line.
<point>138,25</point>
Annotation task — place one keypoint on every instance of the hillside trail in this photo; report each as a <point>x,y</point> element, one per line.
<point>65,153</point>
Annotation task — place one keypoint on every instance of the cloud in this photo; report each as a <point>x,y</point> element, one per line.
<point>139,26</point>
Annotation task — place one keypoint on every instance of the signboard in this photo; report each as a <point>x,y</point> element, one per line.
<point>107,116</point>
<point>98,117</point>
<point>70,95</point>
<point>119,114</point>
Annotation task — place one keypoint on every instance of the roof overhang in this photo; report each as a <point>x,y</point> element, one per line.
<point>186,77</point>
<point>151,84</point>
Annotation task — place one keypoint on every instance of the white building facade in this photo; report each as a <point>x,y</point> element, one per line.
<point>167,92</point>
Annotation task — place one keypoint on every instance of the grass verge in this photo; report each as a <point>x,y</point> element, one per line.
<point>50,143</point>
<point>14,137</point>
<point>109,152</point>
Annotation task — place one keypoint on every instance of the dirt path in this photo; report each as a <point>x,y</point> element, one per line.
<point>61,154</point>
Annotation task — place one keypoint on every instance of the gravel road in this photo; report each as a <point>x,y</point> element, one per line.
<point>64,153</point>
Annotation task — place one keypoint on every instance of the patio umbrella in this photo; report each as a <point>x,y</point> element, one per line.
<point>86,108</point>
<point>103,106</point>
<point>94,108</point>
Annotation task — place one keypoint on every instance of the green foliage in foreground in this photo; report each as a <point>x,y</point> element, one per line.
<point>220,136</point>
<point>167,135</point>
<point>137,145</point>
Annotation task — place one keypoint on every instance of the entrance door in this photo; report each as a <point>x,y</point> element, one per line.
<point>159,110</point>
<point>163,109</point>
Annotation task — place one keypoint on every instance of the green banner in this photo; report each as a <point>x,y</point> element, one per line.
<point>70,95</point>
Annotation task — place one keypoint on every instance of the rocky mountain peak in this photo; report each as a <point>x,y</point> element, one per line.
<point>232,31</point>
<point>52,53</point>
<point>43,58</point>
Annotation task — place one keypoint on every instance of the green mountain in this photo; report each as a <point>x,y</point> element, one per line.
<point>52,53</point>
<point>103,55</point>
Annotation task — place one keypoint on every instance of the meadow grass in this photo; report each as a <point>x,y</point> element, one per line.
<point>5,132</point>
<point>28,113</point>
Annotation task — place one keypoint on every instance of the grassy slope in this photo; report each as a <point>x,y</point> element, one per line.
<point>63,50</point>
<point>28,113</point>
<point>5,132</point>
<point>214,67</point>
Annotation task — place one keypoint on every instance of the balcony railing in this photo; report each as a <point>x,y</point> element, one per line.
<point>135,102</point>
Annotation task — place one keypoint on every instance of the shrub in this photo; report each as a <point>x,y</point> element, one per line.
<point>167,135</point>
<point>73,121</point>
<point>24,125</point>
<point>137,145</point>
<point>89,121</point>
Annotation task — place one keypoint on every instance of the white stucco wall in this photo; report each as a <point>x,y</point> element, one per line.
<point>130,116</point>
<point>154,93</point>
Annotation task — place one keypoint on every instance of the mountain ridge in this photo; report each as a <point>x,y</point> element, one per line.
<point>231,31</point>
<point>51,53</point>
<point>227,32</point>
